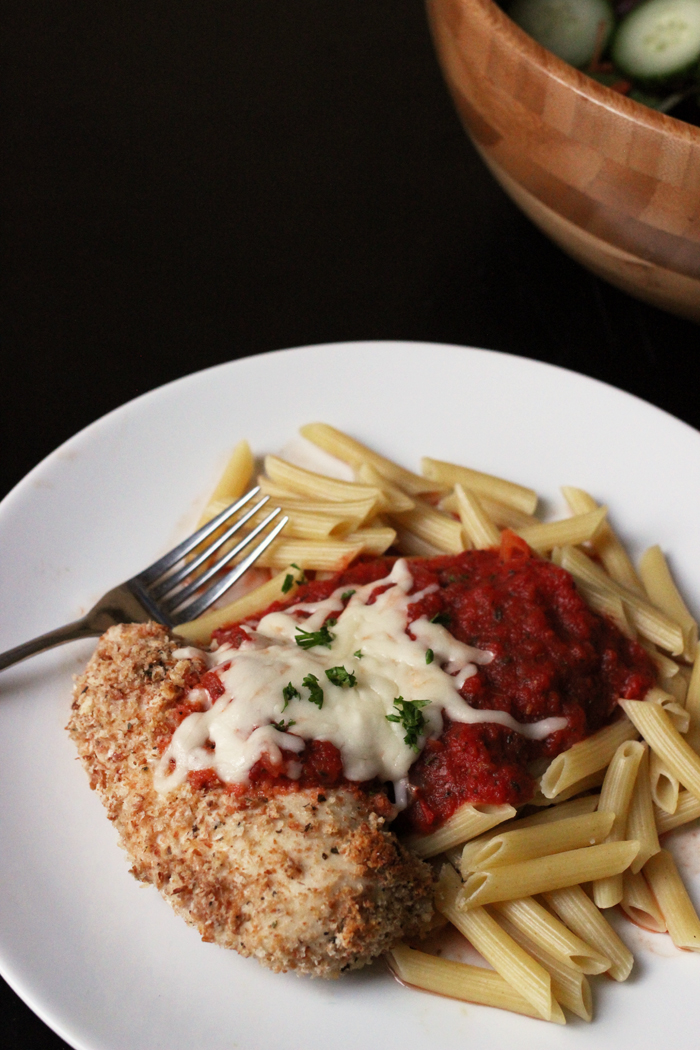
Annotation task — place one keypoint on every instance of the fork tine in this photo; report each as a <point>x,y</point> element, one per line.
<point>166,585</point>
<point>172,601</point>
<point>201,604</point>
<point>154,571</point>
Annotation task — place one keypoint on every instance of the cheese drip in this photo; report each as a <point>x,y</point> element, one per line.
<point>370,641</point>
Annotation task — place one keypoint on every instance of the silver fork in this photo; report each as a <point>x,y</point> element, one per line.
<point>163,592</point>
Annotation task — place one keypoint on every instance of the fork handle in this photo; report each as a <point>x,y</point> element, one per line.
<point>71,632</point>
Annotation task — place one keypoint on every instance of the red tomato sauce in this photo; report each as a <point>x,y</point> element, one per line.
<point>552,656</point>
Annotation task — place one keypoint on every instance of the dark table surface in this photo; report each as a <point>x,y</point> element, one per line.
<point>194,181</point>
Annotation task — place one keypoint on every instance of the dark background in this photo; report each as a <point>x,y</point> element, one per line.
<point>191,181</point>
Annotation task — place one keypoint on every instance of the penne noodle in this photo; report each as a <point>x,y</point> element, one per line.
<point>554,812</point>
<point>569,985</point>
<point>664,786</point>
<point>648,620</point>
<point>678,714</point>
<point>469,821</point>
<point>411,544</point>
<point>605,543</point>
<point>319,486</point>
<point>688,809</point>
<point>232,484</point>
<point>503,516</point>
<point>662,591</point>
<point>615,797</point>
<point>593,780</point>
<point>449,474</point>
<point>472,984</point>
<point>641,823</point>
<point>397,500</point>
<point>553,936</point>
<point>610,605</point>
<point>585,758</point>
<point>675,904</point>
<point>478,526</point>
<point>580,914</point>
<point>575,530</point>
<point>666,667</point>
<point>677,686</point>
<point>664,739</point>
<point>521,844</point>
<point>499,949</point>
<point>692,705</point>
<point>543,874</point>
<point>639,903</point>
<point>439,530</point>
<point>355,453</point>
<point>278,588</point>
<point>374,540</point>
<point>310,554</point>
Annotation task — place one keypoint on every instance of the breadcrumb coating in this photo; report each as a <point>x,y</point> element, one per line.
<point>309,880</point>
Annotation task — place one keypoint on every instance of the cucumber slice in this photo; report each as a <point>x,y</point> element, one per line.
<point>659,39</point>
<point>572,29</point>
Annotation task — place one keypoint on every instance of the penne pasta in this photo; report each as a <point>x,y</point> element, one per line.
<point>281,586</point>
<point>412,544</point>
<point>449,474</point>
<point>655,625</point>
<point>569,985</point>
<point>355,453</point>
<point>688,809</point>
<point>473,984</point>
<point>469,821</point>
<point>439,530</point>
<point>319,486</point>
<point>521,844</point>
<point>675,904</point>
<point>477,525</point>
<point>585,758</point>
<point>396,499</point>
<point>662,591</point>
<point>374,540</point>
<point>499,949</point>
<point>605,543</point>
<point>677,713</point>
<point>543,874</point>
<point>580,914</point>
<point>641,824</point>
<point>578,529</point>
<point>328,554</point>
<point>502,515</point>
<point>553,936</point>
<point>664,739</point>
<point>615,797</point>
<point>639,903</point>
<point>664,786</point>
<point>233,482</point>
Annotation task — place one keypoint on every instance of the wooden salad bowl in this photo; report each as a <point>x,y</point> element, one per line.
<point>613,183</point>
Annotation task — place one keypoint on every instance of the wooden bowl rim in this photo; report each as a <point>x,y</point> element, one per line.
<point>551,65</point>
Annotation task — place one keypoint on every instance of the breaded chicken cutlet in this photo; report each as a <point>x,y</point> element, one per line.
<point>310,880</point>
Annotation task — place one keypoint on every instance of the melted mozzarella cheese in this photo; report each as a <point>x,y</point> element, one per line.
<point>374,642</point>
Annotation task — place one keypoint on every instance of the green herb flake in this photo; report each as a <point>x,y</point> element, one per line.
<point>302,575</point>
<point>442,618</point>
<point>429,656</point>
<point>288,583</point>
<point>339,676</point>
<point>283,726</point>
<point>410,716</point>
<point>346,596</point>
<point>290,693</point>
<point>308,639</point>
<point>358,654</point>
<point>315,691</point>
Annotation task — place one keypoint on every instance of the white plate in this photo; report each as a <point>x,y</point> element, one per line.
<point>105,962</point>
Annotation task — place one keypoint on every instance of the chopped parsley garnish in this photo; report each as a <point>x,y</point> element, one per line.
<point>411,718</point>
<point>358,654</point>
<point>331,622</point>
<point>429,656</point>
<point>288,582</point>
<point>302,574</point>
<point>308,639</point>
<point>283,726</point>
<point>441,618</point>
<point>339,676</point>
<point>290,693</point>
<point>315,691</point>
<point>346,596</point>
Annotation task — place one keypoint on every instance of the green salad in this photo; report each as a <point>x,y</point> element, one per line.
<point>648,50</point>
